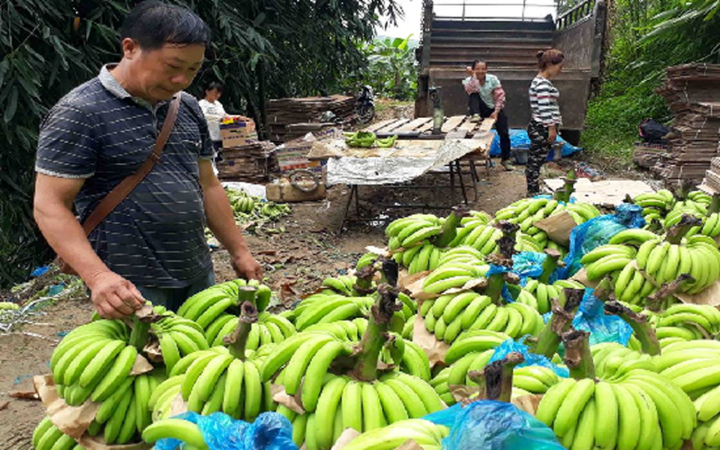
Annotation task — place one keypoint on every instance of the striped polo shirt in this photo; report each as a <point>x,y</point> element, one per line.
<point>100,133</point>
<point>544,102</point>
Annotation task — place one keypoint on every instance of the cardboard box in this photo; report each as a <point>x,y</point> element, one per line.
<point>283,191</point>
<point>238,134</point>
<point>293,155</point>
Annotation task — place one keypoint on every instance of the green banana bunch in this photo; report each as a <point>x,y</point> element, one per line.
<point>206,306</point>
<point>327,307</point>
<point>413,359</point>
<point>363,139</point>
<point>692,366</point>
<point>642,410</point>
<point>479,235</point>
<point>367,407</point>
<point>613,361</point>
<point>420,258</point>
<point>544,293</point>
<point>183,430</point>
<point>426,434</point>
<point>528,211</point>
<point>49,437</point>
<point>700,197</point>
<point>452,275</point>
<point>608,259</point>
<point>6,306</point>
<point>344,284</point>
<point>214,380</point>
<point>177,337</point>
<point>386,142</point>
<point>526,243</point>
<point>451,316</point>
<point>270,329</point>
<point>410,232</point>
<point>691,317</point>
<point>661,201</point>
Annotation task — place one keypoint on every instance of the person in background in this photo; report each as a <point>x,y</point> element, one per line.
<point>546,119</point>
<point>214,112</point>
<point>486,98</point>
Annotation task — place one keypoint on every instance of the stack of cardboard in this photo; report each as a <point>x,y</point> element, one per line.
<point>291,118</point>
<point>251,163</point>
<point>712,176</point>
<point>693,93</point>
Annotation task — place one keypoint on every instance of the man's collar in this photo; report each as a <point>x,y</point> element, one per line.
<point>110,83</point>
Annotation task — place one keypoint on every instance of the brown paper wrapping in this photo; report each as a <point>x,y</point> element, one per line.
<point>427,341</point>
<point>558,227</point>
<point>345,438</point>
<point>75,420</point>
<point>285,399</point>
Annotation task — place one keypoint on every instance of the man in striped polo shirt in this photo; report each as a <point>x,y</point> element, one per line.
<point>152,246</point>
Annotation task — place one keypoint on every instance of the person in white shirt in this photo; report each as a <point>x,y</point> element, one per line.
<point>214,112</point>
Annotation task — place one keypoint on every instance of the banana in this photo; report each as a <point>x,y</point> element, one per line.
<point>573,404</point>
<point>316,369</point>
<point>179,429</point>
<point>253,391</point>
<point>649,425</point>
<point>328,404</point>
<point>100,362</point>
<point>373,416</point>
<point>412,402</point>
<point>585,433</point>
<point>142,393</point>
<point>351,406</point>
<point>114,424</point>
<point>392,405</point>
<point>117,374</point>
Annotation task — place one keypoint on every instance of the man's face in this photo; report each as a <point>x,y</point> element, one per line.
<point>161,73</point>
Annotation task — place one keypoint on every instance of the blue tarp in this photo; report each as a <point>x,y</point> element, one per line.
<point>519,140</point>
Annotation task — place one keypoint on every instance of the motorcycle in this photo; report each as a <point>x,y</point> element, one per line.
<point>365,106</point>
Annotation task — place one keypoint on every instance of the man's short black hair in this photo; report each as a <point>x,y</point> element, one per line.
<point>153,24</point>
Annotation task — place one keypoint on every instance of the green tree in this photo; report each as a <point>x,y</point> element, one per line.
<point>261,49</point>
<point>391,71</point>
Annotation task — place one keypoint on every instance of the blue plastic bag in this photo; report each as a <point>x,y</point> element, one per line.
<point>519,140</point>
<point>270,431</point>
<point>531,359</point>
<point>493,425</point>
<point>602,328</point>
<point>528,265</point>
<point>596,232</point>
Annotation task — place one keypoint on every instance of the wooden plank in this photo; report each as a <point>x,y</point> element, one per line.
<point>376,126</point>
<point>393,126</point>
<point>452,123</point>
<point>414,124</point>
<point>468,126</point>
<point>427,127</point>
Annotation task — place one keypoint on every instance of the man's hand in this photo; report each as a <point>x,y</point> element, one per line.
<point>114,297</point>
<point>494,116</point>
<point>552,135</point>
<point>246,267</point>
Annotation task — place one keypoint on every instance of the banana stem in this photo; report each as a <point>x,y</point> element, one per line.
<point>376,334</point>
<point>549,339</point>
<point>450,226</point>
<point>677,232</point>
<point>390,271</point>
<point>238,339</point>
<point>247,294</point>
<point>578,357</point>
<point>714,204</point>
<point>638,322</point>
<point>494,288</point>
<point>549,265</point>
<point>655,301</point>
<point>495,381</point>
<point>139,334</point>
<point>363,284</point>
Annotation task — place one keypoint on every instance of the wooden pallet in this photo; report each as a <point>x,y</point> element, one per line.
<point>454,125</point>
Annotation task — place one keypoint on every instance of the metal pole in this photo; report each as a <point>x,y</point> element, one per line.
<point>523,10</point>
<point>463,11</point>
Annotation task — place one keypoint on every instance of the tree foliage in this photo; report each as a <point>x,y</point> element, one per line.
<point>261,49</point>
<point>391,70</point>
<point>642,48</point>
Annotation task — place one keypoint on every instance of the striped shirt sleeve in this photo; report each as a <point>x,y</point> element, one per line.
<point>66,145</point>
<point>544,102</point>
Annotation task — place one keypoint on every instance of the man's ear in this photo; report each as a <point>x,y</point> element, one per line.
<point>130,48</point>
